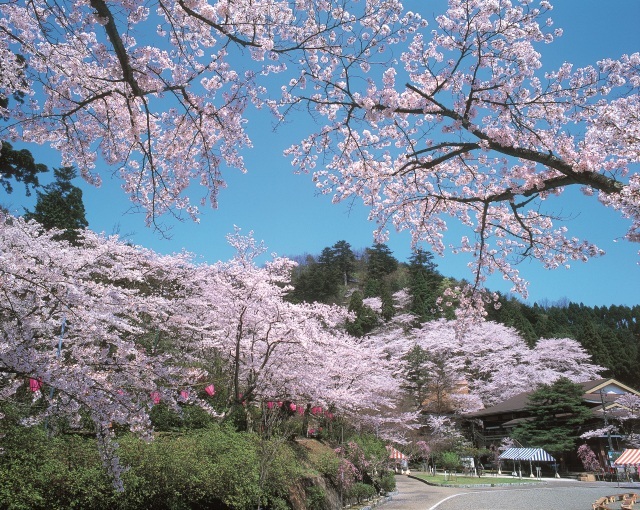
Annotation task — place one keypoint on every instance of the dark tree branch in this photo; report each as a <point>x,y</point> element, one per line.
<point>118,46</point>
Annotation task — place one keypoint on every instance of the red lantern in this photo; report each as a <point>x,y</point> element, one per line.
<point>35,384</point>
<point>184,394</point>
<point>155,397</point>
<point>210,390</point>
<point>269,405</point>
<point>292,407</point>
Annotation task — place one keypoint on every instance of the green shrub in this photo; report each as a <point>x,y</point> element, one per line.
<point>450,461</point>
<point>278,468</point>
<point>328,465</point>
<point>164,419</point>
<point>189,417</point>
<point>387,482</point>
<point>41,472</point>
<point>315,498</point>
<point>214,467</point>
<point>360,491</point>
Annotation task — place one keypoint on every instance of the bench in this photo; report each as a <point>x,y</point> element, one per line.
<point>600,504</point>
<point>628,500</point>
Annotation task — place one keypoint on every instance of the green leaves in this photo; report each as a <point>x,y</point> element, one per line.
<point>215,467</point>
<point>556,413</point>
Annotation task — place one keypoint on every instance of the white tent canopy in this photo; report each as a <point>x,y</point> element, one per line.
<point>532,454</point>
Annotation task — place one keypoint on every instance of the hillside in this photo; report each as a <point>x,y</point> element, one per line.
<point>344,276</point>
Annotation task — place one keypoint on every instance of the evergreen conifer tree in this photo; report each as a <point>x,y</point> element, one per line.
<point>424,280</point>
<point>19,165</point>
<point>365,319</point>
<point>60,206</point>
<point>557,413</point>
<point>344,259</point>
<point>380,263</point>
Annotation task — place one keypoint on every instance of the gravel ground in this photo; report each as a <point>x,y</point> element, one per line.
<point>551,494</point>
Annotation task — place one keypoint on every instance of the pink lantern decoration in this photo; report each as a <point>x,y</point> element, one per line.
<point>300,410</point>
<point>316,410</point>
<point>292,407</point>
<point>210,390</point>
<point>184,394</point>
<point>279,404</point>
<point>269,405</point>
<point>155,397</point>
<point>35,384</point>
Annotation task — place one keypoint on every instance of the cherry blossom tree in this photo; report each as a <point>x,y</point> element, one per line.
<point>468,125</point>
<point>280,351</point>
<point>161,91</point>
<point>109,330</point>
<point>625,416</point>
<point>74,321</point>
<point>424,123</point>
<point>588,458</point>
<point>492,360</point>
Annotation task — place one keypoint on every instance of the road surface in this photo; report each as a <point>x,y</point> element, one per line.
<point>550,494</point>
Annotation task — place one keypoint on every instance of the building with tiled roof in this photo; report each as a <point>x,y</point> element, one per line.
<point>490,425</point>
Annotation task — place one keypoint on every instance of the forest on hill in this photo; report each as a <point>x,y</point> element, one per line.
<point>346,276</point>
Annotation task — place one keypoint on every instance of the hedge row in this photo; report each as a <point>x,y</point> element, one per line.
<point>214,467</point>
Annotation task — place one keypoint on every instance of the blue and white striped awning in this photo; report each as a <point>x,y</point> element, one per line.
<point>535,454</point>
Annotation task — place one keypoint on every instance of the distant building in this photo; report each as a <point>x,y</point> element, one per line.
<point>489,426</point>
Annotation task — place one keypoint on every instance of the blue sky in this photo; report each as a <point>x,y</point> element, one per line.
<point>283,209</point>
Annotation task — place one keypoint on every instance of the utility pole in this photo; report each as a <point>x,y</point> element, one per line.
<point>606,421</point>
<point>606,424</point>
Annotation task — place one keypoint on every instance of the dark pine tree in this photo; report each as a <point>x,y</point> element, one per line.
<point>330,272</point>
<point>557,414</point>
<point>365,319</point>
<point>20,166</point>
<point>424,281</point>
<point>380,263</point>
<point>344,260</point>
<point>590,336</point>
<point>512,312</point>
<point>317,281</point>
<point>416,377</point>
<point>60,206</point>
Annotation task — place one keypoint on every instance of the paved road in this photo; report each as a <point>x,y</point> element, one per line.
<point>549,495</point>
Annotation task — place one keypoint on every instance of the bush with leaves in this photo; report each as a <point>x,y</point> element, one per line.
<point>278,467</point>
<point>166,419</point>
<point>54,473</point>
<point>214,467</point>
<point>449,461</point>
<point>376,459</point>
<point>387,482</point>
<point>360,492</point>
<point>315,498</point>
